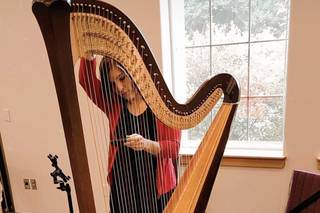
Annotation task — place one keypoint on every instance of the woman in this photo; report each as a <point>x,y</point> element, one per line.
<point>141,169</point>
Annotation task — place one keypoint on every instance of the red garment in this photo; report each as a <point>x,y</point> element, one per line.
<point>168,138</point>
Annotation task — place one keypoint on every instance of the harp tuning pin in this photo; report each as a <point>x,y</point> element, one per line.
<point>142,47</point>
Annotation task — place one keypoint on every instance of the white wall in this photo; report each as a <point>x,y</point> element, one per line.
<point>27,91</point>
<point>35,129</point>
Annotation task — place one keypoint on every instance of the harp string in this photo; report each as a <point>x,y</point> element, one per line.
<point>112,98</point>
<point>163,182</point>
<point>92,116</point>
<point>138,158</point>
<point>99,129</point>
<point>93,124</point>
<point>111,121</point>
<point>126,157</point>
<point>154,190</point>
<point>158,139</point>
<point>142,54</point>
<point>120,200</point>
<point>147,128</point>
<point>145,204</point>
<point>109,101</point>
<point>102,151</point>
<point>195,176</point>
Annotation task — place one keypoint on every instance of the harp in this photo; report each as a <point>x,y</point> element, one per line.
<point>71,30</point>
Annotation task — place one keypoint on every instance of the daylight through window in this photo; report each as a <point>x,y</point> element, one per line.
<point>246,38</point>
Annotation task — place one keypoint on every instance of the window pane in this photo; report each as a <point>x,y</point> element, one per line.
<point>269,19</point>
<point>197,22</point>
<point>240,123</point>
<point>230,21</point>
<point>217,41</point>
<point>266,119</point>
<point>232,59</point>
<point>267,68</point>
<point>198,68</point>
<point>198,132</point>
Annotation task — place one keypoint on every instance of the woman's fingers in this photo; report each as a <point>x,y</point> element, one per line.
<point>135,141</point>
<point>134,137</point>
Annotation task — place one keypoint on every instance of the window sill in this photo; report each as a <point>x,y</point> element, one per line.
<point>246,161</point>
<point>243,154</point>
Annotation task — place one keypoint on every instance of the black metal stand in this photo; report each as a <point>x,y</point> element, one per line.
<point>62,181</point>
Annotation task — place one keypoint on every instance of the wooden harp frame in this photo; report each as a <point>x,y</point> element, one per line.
<point>53,17</point>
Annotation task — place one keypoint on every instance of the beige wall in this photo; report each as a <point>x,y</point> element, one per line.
<point>27,91</point>
<point>35,129</point>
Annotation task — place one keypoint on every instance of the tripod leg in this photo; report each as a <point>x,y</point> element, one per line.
<point>69,198</point>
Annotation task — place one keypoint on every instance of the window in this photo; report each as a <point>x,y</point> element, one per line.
<point>248,39</point>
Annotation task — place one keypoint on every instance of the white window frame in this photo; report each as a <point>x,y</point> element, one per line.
<point>234,148</point>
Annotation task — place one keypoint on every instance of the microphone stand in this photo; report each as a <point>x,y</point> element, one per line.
<point>60,178</point>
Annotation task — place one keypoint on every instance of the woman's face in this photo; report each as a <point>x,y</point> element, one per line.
<point>123,83</point>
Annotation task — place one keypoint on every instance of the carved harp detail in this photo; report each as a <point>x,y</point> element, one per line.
<point>72,30</point>
<point>102,36</point>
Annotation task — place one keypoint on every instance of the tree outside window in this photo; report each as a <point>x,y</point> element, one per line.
<point>246,38</point>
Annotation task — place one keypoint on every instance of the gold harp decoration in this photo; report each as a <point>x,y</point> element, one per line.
<point>99,28</point>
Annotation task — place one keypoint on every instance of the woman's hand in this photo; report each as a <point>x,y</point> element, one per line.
<point>136,142</point>
<point>139,143</point>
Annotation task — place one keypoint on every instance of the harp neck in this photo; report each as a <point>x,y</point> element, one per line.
<point>103,29</point>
